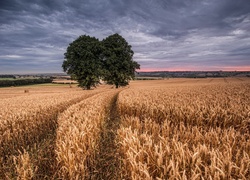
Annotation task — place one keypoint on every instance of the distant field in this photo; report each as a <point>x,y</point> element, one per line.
<point>18,78</point>
<point>64,81</point>
<point>161,129</point>
<point>7,79</point>
<point>148,78</point>
<point>37,89</point>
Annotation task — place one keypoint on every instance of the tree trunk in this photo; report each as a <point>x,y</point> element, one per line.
<point>116,85</point>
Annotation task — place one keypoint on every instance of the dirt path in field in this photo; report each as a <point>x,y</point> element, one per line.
<point>47,167</point>
<point>41,150</point>
<point>107,161</point>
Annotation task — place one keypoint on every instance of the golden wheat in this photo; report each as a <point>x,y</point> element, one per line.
<point>194,131</point>
<point>24,168</point>
<point>169,129</point>
<point>28,120</point>
<point>78,135</point>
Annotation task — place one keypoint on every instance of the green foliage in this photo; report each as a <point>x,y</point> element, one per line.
<point>7,76</point>
<point>83,61</point>
<point>88,60</point>
<point>118,64</point>
<point>22,82</point>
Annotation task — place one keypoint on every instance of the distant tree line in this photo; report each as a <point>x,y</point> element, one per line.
<point>21,82</point>
<point>7,76</point>
<point>193,74</point>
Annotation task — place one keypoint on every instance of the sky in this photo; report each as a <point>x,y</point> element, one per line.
<point>165,35</point>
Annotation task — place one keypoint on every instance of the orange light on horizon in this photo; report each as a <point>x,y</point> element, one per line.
<point>225,68</point>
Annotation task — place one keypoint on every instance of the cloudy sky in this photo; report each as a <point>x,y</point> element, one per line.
<point>164,34</point>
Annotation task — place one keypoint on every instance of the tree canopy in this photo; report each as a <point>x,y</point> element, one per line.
<point>83,61</point>
<point>118,63</point>
<point>89,60</point>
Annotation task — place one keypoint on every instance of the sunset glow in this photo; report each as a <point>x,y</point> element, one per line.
<point>226,68</point>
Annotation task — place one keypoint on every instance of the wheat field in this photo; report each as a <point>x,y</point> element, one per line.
<point>194,130</point>
<point>153,129</point>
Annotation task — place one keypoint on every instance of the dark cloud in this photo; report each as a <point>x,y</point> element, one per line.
<point>34,34</point>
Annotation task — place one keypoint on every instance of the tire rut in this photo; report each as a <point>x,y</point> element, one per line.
<point>41,151</point>
<point>47,168</point>
<point>108,163</point>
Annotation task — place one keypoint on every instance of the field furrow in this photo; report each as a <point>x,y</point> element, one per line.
<point>107,164</point>
<point>158,129</point>
<point>30,126</point>
<point>78,136</point>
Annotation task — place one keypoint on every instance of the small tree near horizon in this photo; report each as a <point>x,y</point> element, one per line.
<point>118,65</point>
<point>82,61</point>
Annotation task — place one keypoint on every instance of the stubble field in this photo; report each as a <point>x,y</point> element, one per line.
<point>153,129</point>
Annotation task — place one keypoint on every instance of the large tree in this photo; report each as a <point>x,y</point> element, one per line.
<point>118,63</point>
<point>83,61</point>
